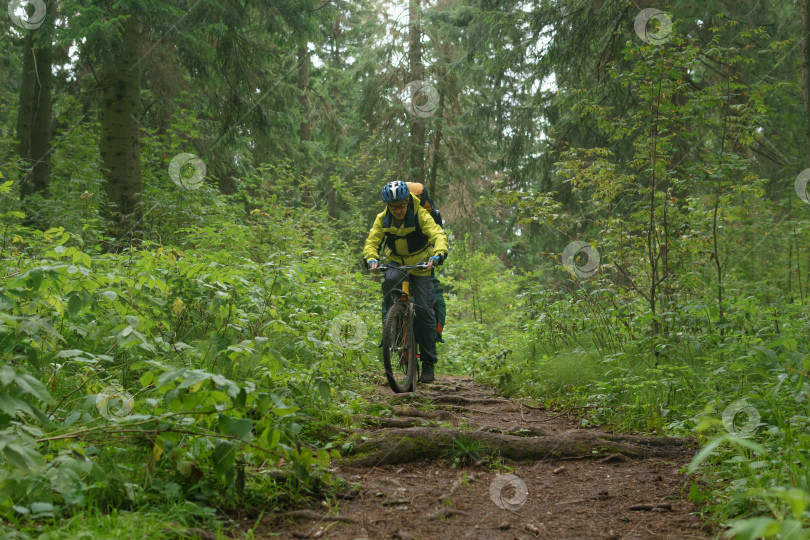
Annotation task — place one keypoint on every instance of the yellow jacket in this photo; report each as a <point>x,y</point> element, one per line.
<point>416,240</point>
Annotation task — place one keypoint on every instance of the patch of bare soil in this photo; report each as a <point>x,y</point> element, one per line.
<point>524,473</point>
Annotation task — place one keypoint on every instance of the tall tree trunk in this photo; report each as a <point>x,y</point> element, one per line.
<point>305,128</point>
<point>25,114</point>
<point>303,96</point>
<point>41,125</point>
<point>416,171</point>
<point>435,144</point>
<point>337,63</point>
<point>653,240</point>
<point>34,116</point>
<point>435,147</point>
<point>331,202</point>
<point>805,7</point>
<point>120,133</point>
<point>718,262</point>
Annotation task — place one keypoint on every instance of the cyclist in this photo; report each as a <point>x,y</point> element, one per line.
<point>410,236</point>
<point>439,308</point>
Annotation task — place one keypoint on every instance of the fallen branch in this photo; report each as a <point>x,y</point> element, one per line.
<point>309,514</point>
<point>193,532</point>
<point>572,501</point>
<point>648,507</point>
<point>540,408</point>
<point>613,458</point>
<point>444,513</point>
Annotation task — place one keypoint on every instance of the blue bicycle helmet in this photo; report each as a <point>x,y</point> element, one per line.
<point>395,191</point>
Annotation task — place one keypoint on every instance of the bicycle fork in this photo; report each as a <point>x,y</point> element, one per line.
<point>406,286</point>
<point>409,339</point>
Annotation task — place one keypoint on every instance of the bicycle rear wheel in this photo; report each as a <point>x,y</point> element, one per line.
<point>399,353</point>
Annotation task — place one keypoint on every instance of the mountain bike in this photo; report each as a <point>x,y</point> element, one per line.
<point>398,341</point>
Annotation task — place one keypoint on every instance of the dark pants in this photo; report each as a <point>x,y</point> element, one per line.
<point>440,308</point>
<point>424,297</point>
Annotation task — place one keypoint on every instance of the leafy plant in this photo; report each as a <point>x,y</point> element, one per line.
<point>465,451</point>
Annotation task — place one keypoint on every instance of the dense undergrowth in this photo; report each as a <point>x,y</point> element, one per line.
<point>740,385</point>
<point>173,384</point>
<point>696,322</point>
<point>181,379</point>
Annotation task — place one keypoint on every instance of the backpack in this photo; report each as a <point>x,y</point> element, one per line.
<point>425,201</point>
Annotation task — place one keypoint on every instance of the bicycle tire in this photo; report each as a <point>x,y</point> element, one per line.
<point>399,353</point>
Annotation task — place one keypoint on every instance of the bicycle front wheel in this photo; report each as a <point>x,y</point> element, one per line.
<point>399,352</point>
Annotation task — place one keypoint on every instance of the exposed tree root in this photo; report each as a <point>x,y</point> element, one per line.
<point>459,400</point>
<point>392,446</point>
<point>403,422</point>
<point>470,410</point>
<point>435,415</point>
<point>447,399</point>
<point>325,432</point>
<point>562,466</point>
<point>519,432</point>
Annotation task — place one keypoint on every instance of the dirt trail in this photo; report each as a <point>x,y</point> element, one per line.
<point>559,481</point>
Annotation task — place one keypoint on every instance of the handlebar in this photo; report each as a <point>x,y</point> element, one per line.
<point>403,268</point>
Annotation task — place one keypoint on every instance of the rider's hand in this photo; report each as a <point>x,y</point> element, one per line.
<point>372,264</point>
<point>436,260</point>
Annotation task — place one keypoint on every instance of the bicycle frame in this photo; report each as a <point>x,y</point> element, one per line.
<point>403,293</point>
<point>398,334</point>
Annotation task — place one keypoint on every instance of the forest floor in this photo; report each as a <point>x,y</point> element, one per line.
<point>454,460</point>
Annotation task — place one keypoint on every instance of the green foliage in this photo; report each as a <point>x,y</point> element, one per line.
<point>144,385</point>
<point>480,302</point>
<point>465,451</point>
<point>167,374</point>
<point>692,322</point>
